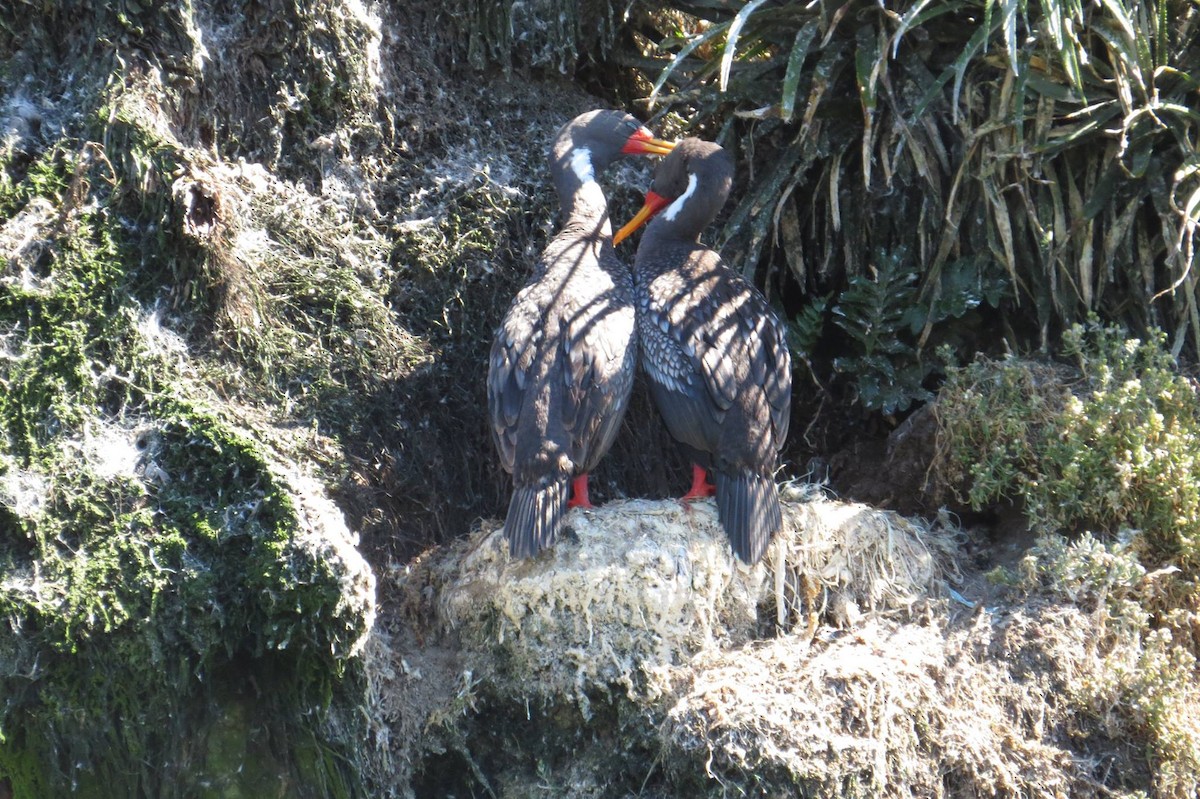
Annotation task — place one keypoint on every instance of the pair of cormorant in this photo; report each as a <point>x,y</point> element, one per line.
<point>562,361</point>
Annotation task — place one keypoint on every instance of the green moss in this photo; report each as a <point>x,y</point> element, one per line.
<point>128,595</point>
<point>293,319</point>
<point>70,316</point>
<point>23,764</point>
<point>133,613</point>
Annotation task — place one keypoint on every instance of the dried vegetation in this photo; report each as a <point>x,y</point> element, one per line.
<point>638,658</point>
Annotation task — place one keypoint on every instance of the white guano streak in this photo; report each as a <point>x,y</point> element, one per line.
<point>581,165</point>
<point>674,208</point>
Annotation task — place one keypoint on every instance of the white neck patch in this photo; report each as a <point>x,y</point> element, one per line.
<point>581,165</point>
<point>674,208</point>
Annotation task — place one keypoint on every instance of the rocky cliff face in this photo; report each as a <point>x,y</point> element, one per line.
<point>250,260</point>
<point>186,605</point>
<point>251,254</point>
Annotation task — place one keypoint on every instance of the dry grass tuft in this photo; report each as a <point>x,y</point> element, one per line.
<point>643,586</point>
<point>618,612</point>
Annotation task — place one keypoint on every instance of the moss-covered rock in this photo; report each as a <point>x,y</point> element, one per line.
<point>249,257</point>
<point>184,603</point>
<point>150,539</point>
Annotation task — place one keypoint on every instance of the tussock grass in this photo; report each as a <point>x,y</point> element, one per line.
<point>993,160</point>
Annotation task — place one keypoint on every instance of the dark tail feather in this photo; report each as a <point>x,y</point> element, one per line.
<point>748,507</point>
<point>534,515</point>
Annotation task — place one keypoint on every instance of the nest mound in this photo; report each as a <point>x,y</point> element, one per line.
<point>642,585</point>
<point>892,709</point>
<point>633,599</point>
<point>639,657</point>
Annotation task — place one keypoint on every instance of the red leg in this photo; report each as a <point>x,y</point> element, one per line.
<point>579,493</point>
<point>700,486</point>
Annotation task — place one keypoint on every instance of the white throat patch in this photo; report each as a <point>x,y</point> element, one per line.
<point>674,208</point>
<point>581,165</point>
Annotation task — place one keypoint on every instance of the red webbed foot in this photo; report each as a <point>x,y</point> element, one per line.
<point>700,486</point>
<point>579,493</point>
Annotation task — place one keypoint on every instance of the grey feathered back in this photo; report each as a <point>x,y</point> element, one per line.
<point>715,354</point>
<point>562,360</point>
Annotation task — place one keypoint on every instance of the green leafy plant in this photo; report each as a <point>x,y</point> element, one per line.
<point>1146,689</point>
<point>1106,446</point>
<point>1050,143</point>
<point>872,312</point>
<point>806,327</point>
<point>885,321</point>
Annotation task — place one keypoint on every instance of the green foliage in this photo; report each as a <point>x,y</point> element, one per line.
<point>1146,689</point>
<point>1093,574</point>
<point>806,327</point>
<point>1125,455</point>
<point>1157,692</point>
<point>1050,145</point>
<point>1106,447</point>
<point>882,315</point>
<point>872,310</point>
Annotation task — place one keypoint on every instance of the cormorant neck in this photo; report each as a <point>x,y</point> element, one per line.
<point>581,199</point>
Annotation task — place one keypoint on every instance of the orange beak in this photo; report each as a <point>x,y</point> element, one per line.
<point>654,203</point>
<point>644,143</point>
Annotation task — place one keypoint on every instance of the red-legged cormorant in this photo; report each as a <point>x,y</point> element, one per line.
<point>715,355</point>
<point>563,359</point>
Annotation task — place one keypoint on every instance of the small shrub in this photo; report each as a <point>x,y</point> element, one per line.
<point>1144,687</point>
<point>1107,446</point>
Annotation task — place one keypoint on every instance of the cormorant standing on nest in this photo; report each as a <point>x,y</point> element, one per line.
<point>715,355</point>
<point>562,361</point>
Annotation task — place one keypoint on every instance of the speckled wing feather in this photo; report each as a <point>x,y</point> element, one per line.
<point>524,372</point>
<point>513,357</point>
<point>778,384</point>
<point>600,355</point>
<point>559,378</point>
<point>707,337</point>
<point>720,373</point>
